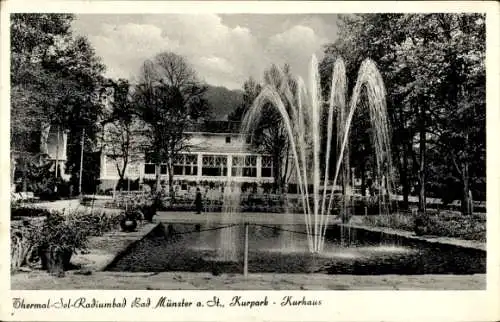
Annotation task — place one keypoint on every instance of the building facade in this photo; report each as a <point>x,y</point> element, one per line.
<point>218,156</point>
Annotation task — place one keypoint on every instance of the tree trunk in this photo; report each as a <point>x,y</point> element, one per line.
<point>363,178</point>
<point>121,177</point>
<point>80,175</point>
<point>466,193</point>
<point>12,170</point>
<point>157,183</point>
<point>284,180</point>
<point>421,172</point>
<point>404,177</point>
<point>57,155</point>
<point>44,135</point>
<point>25,176</point>
<point>171,179</point>
<point>276,172</point>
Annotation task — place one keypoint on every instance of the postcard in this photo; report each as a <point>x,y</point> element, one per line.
<point>284,161</point>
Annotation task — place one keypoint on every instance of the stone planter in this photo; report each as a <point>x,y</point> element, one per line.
<point>55,260</point>
<point>128,224</point>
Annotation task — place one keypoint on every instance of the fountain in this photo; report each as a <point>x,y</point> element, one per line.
<point>229,237</point>
<point>301,110</point>
<point>288,241</point>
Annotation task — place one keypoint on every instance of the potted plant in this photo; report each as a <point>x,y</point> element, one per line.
<point>60,236</point>
<point>129,218</point>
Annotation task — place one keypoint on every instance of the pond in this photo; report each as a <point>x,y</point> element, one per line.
<point>283,249</point>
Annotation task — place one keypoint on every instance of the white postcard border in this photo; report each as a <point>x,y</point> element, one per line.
<point>338,305</point>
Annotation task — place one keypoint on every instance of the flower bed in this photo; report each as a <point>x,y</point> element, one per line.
<point>437,223</point>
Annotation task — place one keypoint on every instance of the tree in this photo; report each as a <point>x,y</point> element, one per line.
<point>421,68</point>
<point>81,109</point>
<point>251,90</point>
<point>55,80</point>
<point>463,126</point>
<point>269,135</point>
<point>33,37</point>
<point>121,138</point>
<point>433,68</point>
<point>372,36</point>
<point>169,99</point>
<point>445,54</point>
<point>52,72</point>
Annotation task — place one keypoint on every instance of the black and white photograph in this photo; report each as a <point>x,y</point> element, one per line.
<point>248,151</point>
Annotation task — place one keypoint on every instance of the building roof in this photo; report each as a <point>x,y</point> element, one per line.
<point>215,127</point>
<point>205,127</point>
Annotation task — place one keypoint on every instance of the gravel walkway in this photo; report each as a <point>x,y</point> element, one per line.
<point>37,280</point>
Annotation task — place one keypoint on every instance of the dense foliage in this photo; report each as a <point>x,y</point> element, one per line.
<point>434,73</point>
<point>55,81</point>
<point>268,132</point>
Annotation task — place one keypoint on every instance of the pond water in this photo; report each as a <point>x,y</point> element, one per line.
<point>283,249</point>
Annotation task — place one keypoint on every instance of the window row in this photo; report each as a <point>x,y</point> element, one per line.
<point>186,170</point>
<point>215,166</point>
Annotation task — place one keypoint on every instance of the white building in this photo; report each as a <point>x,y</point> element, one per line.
<point>48,145</point>
<point>222,155</point>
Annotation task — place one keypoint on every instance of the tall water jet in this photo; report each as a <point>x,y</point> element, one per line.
<point>228,237</point>
<point>288,238</point>
<point>302,123</point>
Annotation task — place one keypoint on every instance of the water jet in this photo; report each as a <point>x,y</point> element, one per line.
<point>301,110</point>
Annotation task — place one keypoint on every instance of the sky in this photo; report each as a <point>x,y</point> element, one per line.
<point>225,50</point>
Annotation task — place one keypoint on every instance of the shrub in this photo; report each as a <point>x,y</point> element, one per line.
<point>398,221</point>
<point>456,225</point>
<point>267,187</point>
<point>446,224</point>
<point>124,185</point>
<point>68,231</point>
<point>45,188</point>
<point>421,223</point>
<point>23,243</point>
<point>96,224</point>
<point>150,182</point>
<point>17,212</point>
<point>59,234</point>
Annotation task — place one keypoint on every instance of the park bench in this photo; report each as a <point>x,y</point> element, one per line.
<point>22,196</point>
